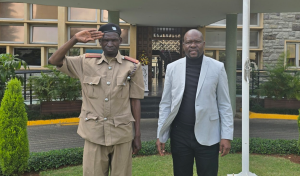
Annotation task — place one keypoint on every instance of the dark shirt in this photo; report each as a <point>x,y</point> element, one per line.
<point>186,113</point>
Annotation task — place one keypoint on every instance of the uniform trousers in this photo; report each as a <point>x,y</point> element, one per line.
<point>186,149</point>
<point>99,160</point>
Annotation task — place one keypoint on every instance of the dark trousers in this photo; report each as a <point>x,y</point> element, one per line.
<point>185,149</point>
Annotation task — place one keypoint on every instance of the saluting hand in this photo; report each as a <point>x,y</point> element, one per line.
<point>88,35</point>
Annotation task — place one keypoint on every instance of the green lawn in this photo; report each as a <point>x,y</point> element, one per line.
<point>232,163</point>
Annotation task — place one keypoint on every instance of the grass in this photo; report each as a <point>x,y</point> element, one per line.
<point>232,163</point>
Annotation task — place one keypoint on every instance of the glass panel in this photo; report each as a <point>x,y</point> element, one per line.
<point>215,38</point>
<point>32,56</point>
<point>210,53</point>
<point>222,56</point>
<point>3,50</point>
<point>82,14</point>
<point>253,39</point>
<point>74,52</point>
<point>298,55</point>
<point>125,35</point>
<point>51,51</point>
<point>221,22</point>
<point>124,52</point>
<point>239,60</point>
<point>104,17</point>
<point>11,33</point>
<point>44,34</point>
<point>291,55</point>
<point>254,57</point>
<point>94,51</point>
<point>74,30</point>
<point>44,12</point>
<point>11,10</point>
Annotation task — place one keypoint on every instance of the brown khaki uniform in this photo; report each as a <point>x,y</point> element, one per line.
<point>106,117</point>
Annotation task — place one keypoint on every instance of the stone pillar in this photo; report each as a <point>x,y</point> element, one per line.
<point>113,17</point>
<point>231,56</point>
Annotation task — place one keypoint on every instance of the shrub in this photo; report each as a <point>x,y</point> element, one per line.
<point>298,122</point>
<point>8,64</point>
<point>14,148</point>
<point>281,83</point>
<point>55,86</point>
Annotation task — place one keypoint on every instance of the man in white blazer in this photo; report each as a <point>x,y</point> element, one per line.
<point>195,110</point>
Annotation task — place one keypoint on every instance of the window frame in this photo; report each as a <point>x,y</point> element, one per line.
<point>81,26</point>
<point>69,16</point>
<point>40,25</point>
<point>14,19</point>
<point>31,15</point>
<point>127,27</point>
<point>32,66</point>
<point>297,52</point>
<point>12,24</point>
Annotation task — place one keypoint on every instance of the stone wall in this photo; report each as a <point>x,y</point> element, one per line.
<point>278,27</point>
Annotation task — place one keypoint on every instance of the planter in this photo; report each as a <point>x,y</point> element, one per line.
<point>59,107</point>
<point>282,103</point>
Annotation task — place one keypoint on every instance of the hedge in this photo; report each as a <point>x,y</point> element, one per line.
<point>57,158</point>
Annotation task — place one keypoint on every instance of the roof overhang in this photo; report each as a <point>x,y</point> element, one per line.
<point>175,13</point>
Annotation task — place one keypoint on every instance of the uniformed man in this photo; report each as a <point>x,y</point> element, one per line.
<point>112,85</point>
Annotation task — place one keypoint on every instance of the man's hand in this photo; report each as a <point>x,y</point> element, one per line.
<point>225,147</point>
<point>136,145</point>
<point>88,35</point>
<point>160,147</point>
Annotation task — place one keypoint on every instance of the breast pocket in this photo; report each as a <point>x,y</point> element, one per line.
<point>91,86</point>
<point>123,87</point>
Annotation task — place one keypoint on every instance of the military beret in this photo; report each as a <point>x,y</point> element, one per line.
<point>110,27</point>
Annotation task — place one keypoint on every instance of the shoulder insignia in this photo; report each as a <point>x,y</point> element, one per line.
<point>90,55</point>
<point>131,59</point>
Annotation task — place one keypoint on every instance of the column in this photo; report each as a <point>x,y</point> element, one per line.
<point>231,56</point>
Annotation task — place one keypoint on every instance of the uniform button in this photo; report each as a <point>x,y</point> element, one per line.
<point>109,68</point>
<point>108,83</point>
<point>105,118</point>
<point>106,99</point>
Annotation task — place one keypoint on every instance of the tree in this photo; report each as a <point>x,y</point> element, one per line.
<point>14,147</point>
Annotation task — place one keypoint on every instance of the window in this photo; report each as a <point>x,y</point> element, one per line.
<point>125,36</point>
<point>253,58</point>
<point>2,50</point>
<point>43,12</point>
<point>216,38</point>
<point>44,34</point>
<point>104,16</point>
<point>74,30</point>
<point>254,20</point>
<point>11,34</point>
<point>74,52</point>
<point>124,52</point>
<point>82,14</point>
<point>32,56</point>
<point>50,51</point>
<point>210,53</point>
<point>293,55</point>
<point>87,50</point>
<point>11,10</point>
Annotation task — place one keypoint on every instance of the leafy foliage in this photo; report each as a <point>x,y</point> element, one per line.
<point>55,86</point>
<point>281,83</point>
<point>298,122</point>
<point>14,147</point>
<point>8,64</point>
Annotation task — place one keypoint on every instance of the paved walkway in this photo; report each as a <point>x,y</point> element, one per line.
<point>53,137</point>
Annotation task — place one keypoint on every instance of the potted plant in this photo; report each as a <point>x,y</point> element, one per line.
<point>57,92</point>
<point>282,86</point>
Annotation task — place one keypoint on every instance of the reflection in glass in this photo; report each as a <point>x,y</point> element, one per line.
<point>104,17</point>
<point>124,52</point>
<point>44,34</point>
<point>44,12</point>
<point>82,14</point>
<point>51,51</point>
<point>125,35</point>
<point>222,56</point>
<point>87,50</point>
<point>210,53</point>
<point>74,30</point>
<point>11,10</point>
<point>74,52</point>
<point>32,56</point>
<point>291,56</point>
<point>11,33</point>
<point>2,50</point>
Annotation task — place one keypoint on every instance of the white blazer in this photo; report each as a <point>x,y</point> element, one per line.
<point>214,118</point>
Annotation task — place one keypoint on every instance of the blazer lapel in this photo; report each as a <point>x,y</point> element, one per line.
<point>204,68</point>
<point>180,76</point>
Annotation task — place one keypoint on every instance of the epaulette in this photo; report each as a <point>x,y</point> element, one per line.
<point>90,55</point>
<point>131,59</point>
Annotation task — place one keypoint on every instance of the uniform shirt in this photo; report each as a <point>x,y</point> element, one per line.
<point>106,116</point>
